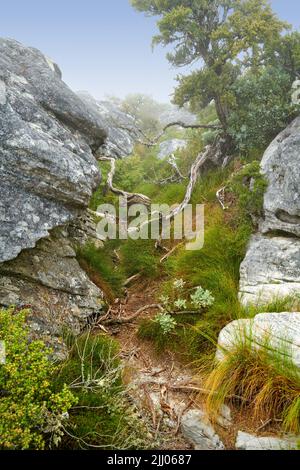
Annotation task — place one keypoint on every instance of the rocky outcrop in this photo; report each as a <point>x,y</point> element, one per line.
<point>48,172</point>
<point>120,127</point>
<point>270,270</point>
<point>168,147</point>
<point>272,265</point>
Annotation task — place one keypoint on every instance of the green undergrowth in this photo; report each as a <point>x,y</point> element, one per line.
<point>103,417</point>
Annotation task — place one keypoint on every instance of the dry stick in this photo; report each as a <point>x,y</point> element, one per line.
<point>122,320</point>
<point>221,198</point>
<point>203,391</point>
<point>132,279</point>
<point>129,196</point>
<point>198,163</point>
<point>170,253</point>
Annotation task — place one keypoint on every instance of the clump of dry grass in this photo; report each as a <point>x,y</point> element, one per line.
<point>266,379</point>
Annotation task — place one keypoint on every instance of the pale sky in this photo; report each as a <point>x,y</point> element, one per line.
<point>102,46</point>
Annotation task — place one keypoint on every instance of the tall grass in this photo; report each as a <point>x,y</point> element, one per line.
<point>103,417</point>
<point>266,379</point>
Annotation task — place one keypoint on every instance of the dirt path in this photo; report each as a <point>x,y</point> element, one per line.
<point>152,377</point>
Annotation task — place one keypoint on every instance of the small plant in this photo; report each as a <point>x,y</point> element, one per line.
<point>166,323</point>
<point>202,298</point>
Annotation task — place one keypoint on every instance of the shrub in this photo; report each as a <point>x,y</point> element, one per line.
<point>32,415</point>
<point>262,109</point>
<point>249,187</point>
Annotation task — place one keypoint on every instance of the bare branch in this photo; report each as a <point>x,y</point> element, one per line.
<point>131,197</point>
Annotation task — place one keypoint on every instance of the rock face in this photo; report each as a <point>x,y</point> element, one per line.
<point>272,264</point>
<point>120,127</point>
<point>271,268</point>
<point>280,330</point>
<point>281,166</point>
<point>48,173</point>
<point>168,147</point>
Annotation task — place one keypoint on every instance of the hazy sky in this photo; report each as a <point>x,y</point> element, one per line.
<point>102,46</point>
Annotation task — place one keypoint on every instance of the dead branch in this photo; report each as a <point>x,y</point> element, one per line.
<point>132,279</point>
<point>201,159</point>
<point>152,142</point>
<point>170,253</point>
<point>130,197</point>
<point>203,391</point>
<point>221,198</point>
<point>122,320</point>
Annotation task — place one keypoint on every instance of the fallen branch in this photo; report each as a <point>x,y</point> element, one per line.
<point>130,197</point>
<point>170,253</point>
<point>122,320</point>
<point>221,198</point>
<point>132,279</point>
<point>204,392</point>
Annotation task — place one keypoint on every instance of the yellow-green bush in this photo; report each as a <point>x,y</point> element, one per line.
<point>32,414</point>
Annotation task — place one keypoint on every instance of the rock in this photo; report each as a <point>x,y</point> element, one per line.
<point>48,138</point>
<point>50,281</point>
<point>281,167</point>
<point>249,442</point>
<point>176,114</point>
<point>199,432</point>
<point>282,330</point>
<point>224,419</point>
<point>168,147</point>
<point>120,127</point>
<point>271,269</point>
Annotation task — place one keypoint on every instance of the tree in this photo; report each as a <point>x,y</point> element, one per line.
<point>223,36</point>
<point>145,110</point>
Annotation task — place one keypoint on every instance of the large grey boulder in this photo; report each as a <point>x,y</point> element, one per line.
<point>280,331</point>
<point>121,129</point>
<point>48,138</point>
<point>281,167</point>
<point>271,268</point>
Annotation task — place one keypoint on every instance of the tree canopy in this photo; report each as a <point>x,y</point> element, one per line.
<point>225,39</point>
